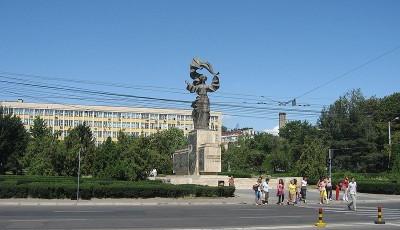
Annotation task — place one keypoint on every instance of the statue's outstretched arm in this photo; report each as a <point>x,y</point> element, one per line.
<point>214,84</point>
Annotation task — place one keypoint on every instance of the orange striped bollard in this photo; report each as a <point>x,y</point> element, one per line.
<point>379,220</point>
<point>320,223</point>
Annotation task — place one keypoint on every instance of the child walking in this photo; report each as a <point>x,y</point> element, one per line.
<point>292,193</point>
<point>280,188</point>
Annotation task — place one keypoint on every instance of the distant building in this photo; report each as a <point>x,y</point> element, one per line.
<point>232,136</point>
<point>107,121</point>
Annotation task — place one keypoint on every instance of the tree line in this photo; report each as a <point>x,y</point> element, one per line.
<point>354,127</point>
<point>41,152</point>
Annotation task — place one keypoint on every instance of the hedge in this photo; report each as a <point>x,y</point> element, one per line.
<point>66,189</point>
<point>378,187</point>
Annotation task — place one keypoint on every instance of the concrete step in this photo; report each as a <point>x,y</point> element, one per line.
<point>212,180</point>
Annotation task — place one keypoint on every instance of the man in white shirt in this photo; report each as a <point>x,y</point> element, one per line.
<point>303,190</point>
<point>265,190</point>
<point>353,193</point>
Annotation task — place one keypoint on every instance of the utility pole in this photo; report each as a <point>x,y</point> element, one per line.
<point>79,172</point>
<point>330,156</point>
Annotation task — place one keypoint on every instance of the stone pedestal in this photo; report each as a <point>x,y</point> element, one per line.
<point>203,155</point>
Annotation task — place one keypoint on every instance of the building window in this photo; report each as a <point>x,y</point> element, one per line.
<point>97,124</point>
<point>97,114</point>
<point>172,117</point>
<point>39,112</point>
<point>28,111</point>
<point>135,125</point>
<point>88,113</point>
<point>48,112</point>
<point>18,111</point>
<point>116,124</point>
<point>69,113</point>
<point>153,126</point>
<point>89,123</point>
<point>153,116</point>
<point>58,112</point>
<point>107,114</point>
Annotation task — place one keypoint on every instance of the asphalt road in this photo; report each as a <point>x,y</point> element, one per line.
<point>194,217</point>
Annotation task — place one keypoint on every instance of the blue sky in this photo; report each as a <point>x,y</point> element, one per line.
<point>274,49</point>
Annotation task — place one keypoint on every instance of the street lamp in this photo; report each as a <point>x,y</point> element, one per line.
<point>330,156</point>
<point>390,138</point>
<point>79,172</point>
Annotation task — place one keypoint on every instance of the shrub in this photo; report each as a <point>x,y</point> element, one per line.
<point>50,188</point>
<point>378,187</point>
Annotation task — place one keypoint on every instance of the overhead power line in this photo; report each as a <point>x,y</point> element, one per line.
<point>120,95</point>
<point>136,87</point>
<point>354,69</point>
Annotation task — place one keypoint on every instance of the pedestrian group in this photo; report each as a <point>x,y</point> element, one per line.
<point>297,192</point>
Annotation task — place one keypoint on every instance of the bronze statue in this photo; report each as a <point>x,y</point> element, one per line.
<point>201,106</point>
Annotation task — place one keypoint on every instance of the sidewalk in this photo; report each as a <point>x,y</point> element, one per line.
<point>121,202</point>
<point>242,196</point>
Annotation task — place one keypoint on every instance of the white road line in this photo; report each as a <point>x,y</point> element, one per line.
<point>309,226</point>
<point>390,218</point>
<point>266,217</point>
<point>80,211</point>
<point>359,209</point>
<point>44,220</point>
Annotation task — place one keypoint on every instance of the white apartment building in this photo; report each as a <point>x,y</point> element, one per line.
<point>107,121</point>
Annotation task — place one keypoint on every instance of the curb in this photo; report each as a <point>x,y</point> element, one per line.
<point>87,204</point>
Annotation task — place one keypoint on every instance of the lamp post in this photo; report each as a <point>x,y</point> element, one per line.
<point>330,156</point>
<point>79,172</point>
<point>390,138</point>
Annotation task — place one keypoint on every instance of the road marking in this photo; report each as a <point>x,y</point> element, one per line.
<point>309,226</point>
<point>79,211</point>
<point>390,214</point>
<point>266,217</point>
<point>44,220</point>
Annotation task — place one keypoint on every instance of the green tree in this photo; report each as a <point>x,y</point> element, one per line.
<point>13,142</point>
<point>295,132</point>
<point>235,157</point>
<point>162,145</point>
<point>41,150</point>
<point>312,160</point>
<point>395,169</point>
<point>352,131</point>
<point>105,158</point>
<point>80,139</point>
<point>281,158</point>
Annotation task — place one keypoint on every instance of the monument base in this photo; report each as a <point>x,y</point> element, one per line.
<point>203,155</point>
